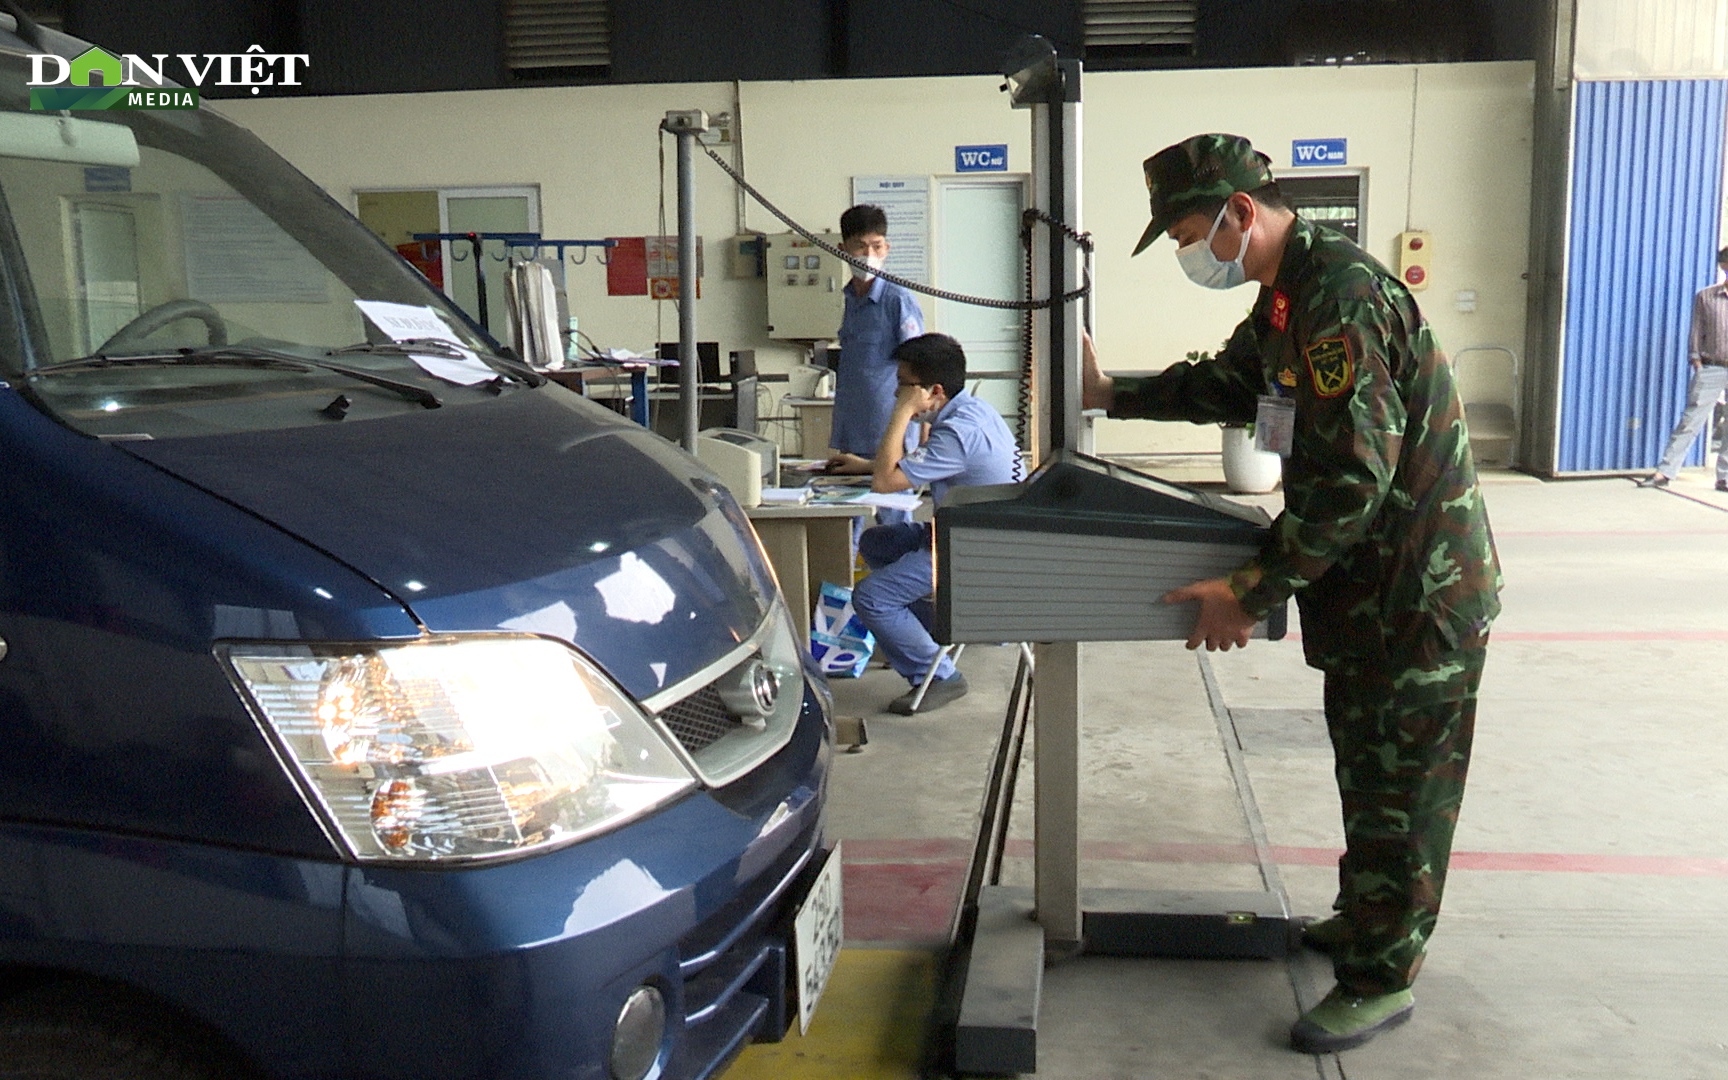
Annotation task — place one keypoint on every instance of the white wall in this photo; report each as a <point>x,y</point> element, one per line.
<point>1650,39</point>
<point>1446,149</point>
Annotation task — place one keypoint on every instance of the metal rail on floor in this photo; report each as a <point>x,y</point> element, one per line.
<point>987,1011</point>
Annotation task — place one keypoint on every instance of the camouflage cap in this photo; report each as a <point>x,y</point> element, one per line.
<point>1197,169</point>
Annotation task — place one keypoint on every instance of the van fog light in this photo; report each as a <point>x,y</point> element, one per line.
<point>641,1028</point>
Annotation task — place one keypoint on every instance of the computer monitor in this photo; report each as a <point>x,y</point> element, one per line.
<point>707,355</point>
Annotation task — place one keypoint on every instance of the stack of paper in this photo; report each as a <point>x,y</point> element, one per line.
<point>895,500</point>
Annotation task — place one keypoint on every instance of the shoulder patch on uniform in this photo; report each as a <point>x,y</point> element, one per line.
<point>1330,366</point>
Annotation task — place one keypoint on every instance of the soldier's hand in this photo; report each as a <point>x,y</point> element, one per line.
<point>1097,390</point>
<point>1222,624</point>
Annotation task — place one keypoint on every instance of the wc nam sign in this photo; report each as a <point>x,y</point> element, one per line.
<point>1317,152</point>
<point>970,159</point>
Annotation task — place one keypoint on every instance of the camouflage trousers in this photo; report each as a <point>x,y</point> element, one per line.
<point>1401,739</point>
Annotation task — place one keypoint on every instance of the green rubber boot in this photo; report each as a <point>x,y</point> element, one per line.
<point>1326,935</point>
<point>1343,1020</point>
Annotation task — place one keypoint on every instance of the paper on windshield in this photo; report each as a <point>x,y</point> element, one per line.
<point>405,322</point>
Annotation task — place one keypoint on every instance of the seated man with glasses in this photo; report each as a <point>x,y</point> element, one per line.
<point>966,444</point>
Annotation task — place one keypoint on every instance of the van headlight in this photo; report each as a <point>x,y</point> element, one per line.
<point>459,748</point>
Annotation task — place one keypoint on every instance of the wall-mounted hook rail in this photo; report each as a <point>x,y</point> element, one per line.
<point>512,242</point>
<point>475,242</point>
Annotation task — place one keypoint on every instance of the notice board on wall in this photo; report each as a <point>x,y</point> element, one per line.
<point>906,201</point>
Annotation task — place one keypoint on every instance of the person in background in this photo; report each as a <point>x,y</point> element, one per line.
<point>968,444</point>
<point>1383,542</point>
<point>878,316</point>
<point>1708,353</point>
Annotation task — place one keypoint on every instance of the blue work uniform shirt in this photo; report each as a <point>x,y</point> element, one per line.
<point>969,444</point>
<point>872,326</point>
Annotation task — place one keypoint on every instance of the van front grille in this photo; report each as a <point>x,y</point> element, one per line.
<point>700,719</point>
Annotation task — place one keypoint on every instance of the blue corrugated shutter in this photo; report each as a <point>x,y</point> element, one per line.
<point>1642,238</point>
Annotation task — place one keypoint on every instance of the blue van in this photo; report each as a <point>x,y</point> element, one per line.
<point>369,707</point>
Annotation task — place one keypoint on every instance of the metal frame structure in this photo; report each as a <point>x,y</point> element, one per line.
<point>1004,936</point>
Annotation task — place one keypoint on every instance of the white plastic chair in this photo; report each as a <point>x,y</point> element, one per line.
<point>930,676</point>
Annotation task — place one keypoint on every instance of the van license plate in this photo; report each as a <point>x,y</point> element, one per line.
<point>818,930</point>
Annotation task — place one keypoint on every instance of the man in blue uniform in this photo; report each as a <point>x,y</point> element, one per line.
<point>968,444</point>
<point>878,316</point>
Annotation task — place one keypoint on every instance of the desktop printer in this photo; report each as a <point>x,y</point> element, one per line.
<point>745,462</point>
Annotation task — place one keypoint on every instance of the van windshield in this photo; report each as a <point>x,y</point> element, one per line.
<point>171,276</point>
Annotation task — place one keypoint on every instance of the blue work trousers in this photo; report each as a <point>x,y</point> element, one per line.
<point>890,599</point>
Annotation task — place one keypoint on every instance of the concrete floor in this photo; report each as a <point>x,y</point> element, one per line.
<point>1582,934</point>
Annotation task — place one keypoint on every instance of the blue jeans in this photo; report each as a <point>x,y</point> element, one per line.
<point>1707,384</point>
<point>892,601</point>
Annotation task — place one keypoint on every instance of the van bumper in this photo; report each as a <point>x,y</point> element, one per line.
<point>520,970</point>
<point>516,969</point>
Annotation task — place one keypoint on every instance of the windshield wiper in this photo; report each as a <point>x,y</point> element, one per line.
<point>447,350</point>
<point>423,346</point>
<point>241,356</point>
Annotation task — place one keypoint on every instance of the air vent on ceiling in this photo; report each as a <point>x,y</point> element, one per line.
<point>1150,27</point>
<point>553,39</point>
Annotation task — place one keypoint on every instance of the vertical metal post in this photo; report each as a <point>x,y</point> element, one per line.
<point>1056,762</point>
<point>1058,253</point>
<point>1056,796</point>
<point>689,365</point>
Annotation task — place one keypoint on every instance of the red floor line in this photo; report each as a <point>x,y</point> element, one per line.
<point>1607,635</point>
<point>912,899</point>
<point>1501,636</point>
<point>951,854</point>
<point>1563,534</point>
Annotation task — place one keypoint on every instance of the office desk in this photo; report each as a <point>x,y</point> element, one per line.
<point>807,545</point>
<point>579,378</point>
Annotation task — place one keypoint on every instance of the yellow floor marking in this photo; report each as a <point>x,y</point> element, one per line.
<point>869,1025</point>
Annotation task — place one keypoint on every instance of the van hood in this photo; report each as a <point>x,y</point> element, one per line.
<point>538,512</point>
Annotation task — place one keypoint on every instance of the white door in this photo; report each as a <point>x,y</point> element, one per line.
<point>107,270</point>
<point>486,210</point>
<point>978,253</point>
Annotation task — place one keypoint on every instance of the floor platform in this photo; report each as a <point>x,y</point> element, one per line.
<point>1581,935</point>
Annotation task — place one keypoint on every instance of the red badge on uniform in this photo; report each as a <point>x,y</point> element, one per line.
<point>1280,311</point>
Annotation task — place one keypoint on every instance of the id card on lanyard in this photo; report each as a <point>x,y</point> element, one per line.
<point>1275,424</point>
<point>1275,417</point>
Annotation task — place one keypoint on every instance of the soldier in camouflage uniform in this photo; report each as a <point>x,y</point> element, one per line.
<point>1383,542</point>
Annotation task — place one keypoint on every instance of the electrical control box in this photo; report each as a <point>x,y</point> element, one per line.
<point>744,256</point>
<point>1414,250</point>
<point>805,300</point>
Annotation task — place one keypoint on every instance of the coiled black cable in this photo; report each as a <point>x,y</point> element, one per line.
<point>1082,240</point>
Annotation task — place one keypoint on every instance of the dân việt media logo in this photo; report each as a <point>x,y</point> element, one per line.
<point>97,79</point>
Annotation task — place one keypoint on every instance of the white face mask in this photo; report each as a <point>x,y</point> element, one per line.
<point>875,262</point>
<point>1207,269</point>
